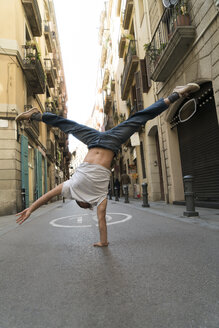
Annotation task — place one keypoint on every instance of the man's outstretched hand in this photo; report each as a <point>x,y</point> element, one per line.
<point>101,244</point>
<point>24,215</point>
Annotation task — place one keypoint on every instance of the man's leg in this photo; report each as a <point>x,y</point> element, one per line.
<point>124,130</point>
<point>79,131</point>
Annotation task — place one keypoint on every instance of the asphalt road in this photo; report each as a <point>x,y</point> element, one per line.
<point>156,273</point>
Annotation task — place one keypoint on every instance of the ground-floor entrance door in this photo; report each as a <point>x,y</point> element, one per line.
<point>199,146</point>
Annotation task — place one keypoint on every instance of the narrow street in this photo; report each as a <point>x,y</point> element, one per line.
<point>158,272</point>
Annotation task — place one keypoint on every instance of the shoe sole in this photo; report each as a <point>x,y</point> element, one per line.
<point>195,85</point>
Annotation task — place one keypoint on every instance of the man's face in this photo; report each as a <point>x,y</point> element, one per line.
<point>83,205</point>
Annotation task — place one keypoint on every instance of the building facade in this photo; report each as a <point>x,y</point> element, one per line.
<point>33,157</point>
<point>148,47</point>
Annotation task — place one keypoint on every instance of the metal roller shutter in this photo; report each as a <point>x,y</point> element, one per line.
<point>199,147</point>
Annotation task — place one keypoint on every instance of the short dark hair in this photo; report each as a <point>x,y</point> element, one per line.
<point>83,204</point>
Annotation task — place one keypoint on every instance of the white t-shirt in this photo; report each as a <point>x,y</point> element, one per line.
<point>88,184</point>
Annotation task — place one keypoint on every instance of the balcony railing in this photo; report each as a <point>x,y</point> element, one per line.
<point>33,70</point>
<point>108,103</point>
<point>131,64</point>
<point>62,140</point>
<point>103,56</point>
<point>48,37</point>
<point>31,128</point>
<point>170,42</point>
<point>51,105</point>
<point>127,14</point>
<point>33,15</point>
<point>105,79</point>
<point>122,43</point>
<point>49,72</point>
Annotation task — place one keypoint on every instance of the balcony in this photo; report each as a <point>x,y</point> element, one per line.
<point>113,85</point>
<point>33,15</point>
<point>127,14</point>
<point>51,105</point>
<point>105,79</point>
<point>171,41</point>
<point>110,123</point>
<point>32,128</point>
<point>57,133</point>
<point>33,70</point>
<point>103,56</point>
<point>48,37</point>
<point>108,104</point>
<point>50,152</point>
<point>49,73</point>
<point>130,67</point>
<point>62,140</point>
<point>122,43</point>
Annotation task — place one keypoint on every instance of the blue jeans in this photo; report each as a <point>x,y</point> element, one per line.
<point>110,139</point>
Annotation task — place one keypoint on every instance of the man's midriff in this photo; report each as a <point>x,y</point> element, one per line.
<point>100,156</point>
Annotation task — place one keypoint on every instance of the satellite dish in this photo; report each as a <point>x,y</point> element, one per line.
<point>169,3</point>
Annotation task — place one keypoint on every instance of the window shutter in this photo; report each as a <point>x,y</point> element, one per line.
<point>24,168</point>
<point>38,174</point>
<point>145,74</point>
<point>45,173</point>
<point>148,70</point>
<point>138,86</point>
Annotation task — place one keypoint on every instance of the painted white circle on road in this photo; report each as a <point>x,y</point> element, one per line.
<point>82,220</point>
<point>126,217</point>
<point>78,219</point>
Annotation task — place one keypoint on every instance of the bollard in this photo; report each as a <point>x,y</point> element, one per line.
<point>145,195</point>
<point>126,192</point>
<point>189,196</point>
<point>110,193</point>
<point>23,196</point>
<point>116,194</point>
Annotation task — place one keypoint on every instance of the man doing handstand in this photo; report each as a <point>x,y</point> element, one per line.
<point>89,184</point>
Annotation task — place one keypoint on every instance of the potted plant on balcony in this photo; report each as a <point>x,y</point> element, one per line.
<point>182,14</point>
<point>154,52</point>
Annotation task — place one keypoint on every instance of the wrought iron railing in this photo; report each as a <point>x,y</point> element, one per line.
<point>32,61</point>
<point>131,52</point>
<point>171,19</point>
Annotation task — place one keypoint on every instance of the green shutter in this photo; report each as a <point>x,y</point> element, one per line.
<point>45,173</point>
<point>38,174</point>
<point>24,168</point>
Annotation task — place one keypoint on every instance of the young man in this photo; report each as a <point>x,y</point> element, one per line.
<point>89,184</point>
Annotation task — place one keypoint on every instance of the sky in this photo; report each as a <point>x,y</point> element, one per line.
<point>78,29</point>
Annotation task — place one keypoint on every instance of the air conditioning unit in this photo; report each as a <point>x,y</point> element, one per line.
<point>170,3</point>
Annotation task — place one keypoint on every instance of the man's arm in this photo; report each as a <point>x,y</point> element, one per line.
<point>39,202</point>
<point>101,213</point>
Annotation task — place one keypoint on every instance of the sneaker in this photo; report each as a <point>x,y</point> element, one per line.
<point>185,90</point>
<point>27,115</point>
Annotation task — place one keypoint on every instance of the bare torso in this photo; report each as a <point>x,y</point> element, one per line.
<point>99,156</point>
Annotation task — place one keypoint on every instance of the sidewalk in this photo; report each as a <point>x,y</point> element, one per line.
<point>208,217</point>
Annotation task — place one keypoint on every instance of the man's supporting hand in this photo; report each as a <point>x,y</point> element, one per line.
<point>101,214</point>
<point>101,244</point>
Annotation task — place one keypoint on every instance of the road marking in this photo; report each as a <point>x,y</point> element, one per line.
<point>109,218</point>
<point>75,217</point>
<point>79,220</point>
